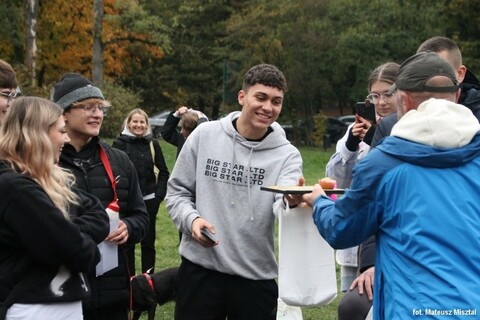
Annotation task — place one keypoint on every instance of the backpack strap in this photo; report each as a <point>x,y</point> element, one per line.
<point>156,171</point>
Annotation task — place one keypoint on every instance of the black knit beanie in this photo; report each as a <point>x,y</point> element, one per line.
<point>74,87</point>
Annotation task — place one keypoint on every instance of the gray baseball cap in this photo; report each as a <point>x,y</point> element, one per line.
<point>415,72</point>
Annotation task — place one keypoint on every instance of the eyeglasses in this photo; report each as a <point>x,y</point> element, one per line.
<point>91,108</point>
<point>9,96</point>
<point>375,97</point>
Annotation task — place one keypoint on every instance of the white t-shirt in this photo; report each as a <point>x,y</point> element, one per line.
<point>51,311</point>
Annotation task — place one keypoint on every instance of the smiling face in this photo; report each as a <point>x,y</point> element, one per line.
<point>261,106</point>
<point>58,135</point>
<point>138,125</point>
<point>82,126</point>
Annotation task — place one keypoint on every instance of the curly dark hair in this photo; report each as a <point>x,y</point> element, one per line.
<point>266,74</point>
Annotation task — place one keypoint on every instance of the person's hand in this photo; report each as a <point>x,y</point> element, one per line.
<point>197,226</point>
<point>181,111</point>
<point>365,281</point>
<point>309,198</point>
<point>360,127</point>
<point>294,200</point>
<point>120,235</point>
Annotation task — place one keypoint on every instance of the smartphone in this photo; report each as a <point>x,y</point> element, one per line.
<point>207,234</point>
<point>366,110</point>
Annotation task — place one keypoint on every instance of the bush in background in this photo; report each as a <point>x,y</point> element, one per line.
<point>123,101</point>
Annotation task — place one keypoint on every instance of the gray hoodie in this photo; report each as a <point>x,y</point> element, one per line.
<point>218,176</point>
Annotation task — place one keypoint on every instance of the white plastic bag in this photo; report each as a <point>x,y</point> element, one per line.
<point>109,250</point>
<point>286,312</point>
<point>306,275</point>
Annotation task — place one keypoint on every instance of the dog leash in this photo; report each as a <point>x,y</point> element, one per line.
<point>113,181</point>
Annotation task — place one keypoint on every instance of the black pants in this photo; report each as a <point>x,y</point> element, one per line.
<point>148,243</point>
<point>203,294</point>
<point>111,313</point>
<point>354,306</point>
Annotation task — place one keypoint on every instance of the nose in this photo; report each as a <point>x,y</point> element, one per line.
<point>267,105</point>
<point>96,109</point>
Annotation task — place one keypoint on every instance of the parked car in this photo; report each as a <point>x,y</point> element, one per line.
<point>348,119</point>
<point>157,121</point>
<point>334,130</point>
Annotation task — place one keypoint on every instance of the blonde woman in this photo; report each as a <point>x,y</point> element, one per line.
<point>146,155</point>
<point>49,231</point>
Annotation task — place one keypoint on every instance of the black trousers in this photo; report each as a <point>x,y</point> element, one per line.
<point>354,306</point>
<point>148,251</point>
<point>110,313</point>
<point>203,294</point>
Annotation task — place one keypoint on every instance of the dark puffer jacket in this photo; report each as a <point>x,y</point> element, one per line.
<point>140,153</point>
<point>112,288</point>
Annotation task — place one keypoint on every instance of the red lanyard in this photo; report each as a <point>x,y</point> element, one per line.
<point>106,164</point>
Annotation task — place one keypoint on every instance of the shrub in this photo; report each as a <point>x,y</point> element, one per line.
<point>122,100</point>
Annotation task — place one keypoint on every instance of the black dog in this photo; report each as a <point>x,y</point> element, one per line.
<point>148,290</point>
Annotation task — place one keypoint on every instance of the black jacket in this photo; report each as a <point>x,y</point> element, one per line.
<point>44,254</point>
<point>112,288</point>
<point>170,133</point>
<point>470,98</point>
<point>139,152</point>
<point>383,128</point>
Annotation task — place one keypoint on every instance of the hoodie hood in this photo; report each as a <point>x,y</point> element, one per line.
<point>438,123</point>
<point>438,134</point>
<point>274,140</point>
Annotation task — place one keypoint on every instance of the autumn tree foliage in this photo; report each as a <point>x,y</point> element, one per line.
<point>190,52</point>
<point>65,38</point>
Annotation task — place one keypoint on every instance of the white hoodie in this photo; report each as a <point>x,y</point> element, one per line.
<point>218,175</point>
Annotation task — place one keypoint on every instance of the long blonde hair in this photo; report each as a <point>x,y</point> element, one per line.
<point>25,144</point>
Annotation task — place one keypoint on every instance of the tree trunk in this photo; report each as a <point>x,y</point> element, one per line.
<point>97,60</point>
<point>31,13</point>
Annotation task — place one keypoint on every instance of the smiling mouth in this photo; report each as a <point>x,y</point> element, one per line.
<point>263,116</point>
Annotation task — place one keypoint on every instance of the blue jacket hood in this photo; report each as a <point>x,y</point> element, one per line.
<point>428,156</point>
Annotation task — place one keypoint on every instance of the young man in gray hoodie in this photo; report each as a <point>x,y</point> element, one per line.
<point>215,186</point>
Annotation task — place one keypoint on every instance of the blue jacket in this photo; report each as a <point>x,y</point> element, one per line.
<point>422,203</point>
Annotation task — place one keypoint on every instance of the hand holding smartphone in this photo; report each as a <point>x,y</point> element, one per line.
<point>366,110</point>
<point>207,234</point>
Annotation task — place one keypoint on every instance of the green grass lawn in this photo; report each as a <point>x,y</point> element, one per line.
<point>314,159</point>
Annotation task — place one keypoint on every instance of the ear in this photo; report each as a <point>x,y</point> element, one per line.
<point>407,102</point>
<point>241,97</point>
<point>461,71</point>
